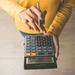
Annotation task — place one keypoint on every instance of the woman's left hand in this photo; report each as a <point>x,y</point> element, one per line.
<point>56,44</point>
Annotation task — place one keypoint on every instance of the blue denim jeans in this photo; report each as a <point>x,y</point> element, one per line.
<point>23,34</point>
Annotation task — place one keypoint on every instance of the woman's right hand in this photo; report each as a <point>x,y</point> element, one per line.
<point>30,15</point>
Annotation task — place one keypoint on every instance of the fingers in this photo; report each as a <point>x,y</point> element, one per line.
<point>36,11</point>
<point>38,6</point>
<point>55,42</point>
<point>27,17</point>
<point>35,27</point>
<point>56,45</point>
<point>30,15</point>
<point>26,24</point>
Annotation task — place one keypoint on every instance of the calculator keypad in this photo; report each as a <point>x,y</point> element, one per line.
<point>38,45</point>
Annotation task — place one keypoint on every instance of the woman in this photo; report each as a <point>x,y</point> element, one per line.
<point>26,13</point>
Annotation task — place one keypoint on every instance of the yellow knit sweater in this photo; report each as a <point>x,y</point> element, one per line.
<point>58,12</point>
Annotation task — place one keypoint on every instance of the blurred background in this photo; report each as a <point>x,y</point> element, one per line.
<point>12,52</point>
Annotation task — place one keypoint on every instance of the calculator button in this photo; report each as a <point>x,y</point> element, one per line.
<point>28,54</point>
<point>33,50</point>
<point>40,54</point>
<point>28,51</point>
<point>50,53</point>
<point>33,45</point>
<point>49,48</point>
<point>39,51</point>
<point>38,48</point>
<point>44,48</point>
<point>33,54</point>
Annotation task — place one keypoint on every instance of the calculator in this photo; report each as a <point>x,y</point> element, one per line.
<point>39,52</point>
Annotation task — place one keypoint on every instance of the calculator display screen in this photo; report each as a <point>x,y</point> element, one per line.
<point>39,60</point>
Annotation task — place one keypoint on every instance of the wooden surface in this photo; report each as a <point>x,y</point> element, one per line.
<point>11,49</point>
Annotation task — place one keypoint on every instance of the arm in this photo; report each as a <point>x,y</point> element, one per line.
<point>61,17</point>
<point>17,8</point>
<point>12,7</point>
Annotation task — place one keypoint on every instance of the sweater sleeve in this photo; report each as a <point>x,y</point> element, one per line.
<point>12,7</point>
<point>61,17</point>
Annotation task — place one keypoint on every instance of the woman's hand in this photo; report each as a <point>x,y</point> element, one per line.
<point>56,43</point>
<point>30,15</point>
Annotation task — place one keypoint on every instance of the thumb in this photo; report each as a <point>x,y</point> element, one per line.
<point>56,45</point>
<point>38,6</point>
